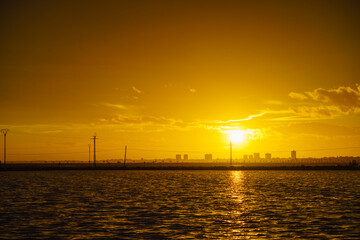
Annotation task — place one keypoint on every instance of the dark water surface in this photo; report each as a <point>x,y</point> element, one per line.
<point>180,204</point>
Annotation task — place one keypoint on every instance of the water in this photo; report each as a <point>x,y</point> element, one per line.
<point>180,204</point>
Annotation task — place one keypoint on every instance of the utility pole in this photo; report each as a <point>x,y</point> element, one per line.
<point>125,156</point>
<point>94,138</point>
<point>89,154</point>
<point>4,131</point>
<point>230,154</point>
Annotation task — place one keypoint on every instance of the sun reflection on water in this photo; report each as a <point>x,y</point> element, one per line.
<point>237,185</point>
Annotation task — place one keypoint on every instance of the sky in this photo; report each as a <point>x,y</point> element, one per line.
<point>178,77</point>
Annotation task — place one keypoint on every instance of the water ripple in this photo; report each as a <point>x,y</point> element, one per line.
<point>180,204</point>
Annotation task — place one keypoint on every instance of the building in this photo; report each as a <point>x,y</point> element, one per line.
<point>257,156</point>
<point>245,157</point>
<point>178,157</point>
<point>186,157</point>
<point>251,157</point>
<point>268,156</point>
<point>208,157</point>
<point>293,155</point>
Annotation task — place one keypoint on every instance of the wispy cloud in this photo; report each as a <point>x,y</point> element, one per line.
<point>143,123</point>
<point>312,112</point>
<point>309,106</point>
<point>298,96</point>
<point>119,106</point>
<point>137,90</point>
<point>245,119</point>
<point>192,90</point>
<point>126,122</point>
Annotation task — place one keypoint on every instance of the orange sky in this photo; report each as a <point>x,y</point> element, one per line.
<point>167,77</point>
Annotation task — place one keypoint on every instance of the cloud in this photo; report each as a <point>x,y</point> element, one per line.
<point>315,111</point>
<point>345,99</point>
<point>245,119</point>
<point>249,129</point>
<point>119,106</point>
<point>327,103</point>
<point>125,122</point>
<point>298,96</point>
<point>144,123</point>
<point>221,125</point>
<point>192,90</point>
<point>137,90</point>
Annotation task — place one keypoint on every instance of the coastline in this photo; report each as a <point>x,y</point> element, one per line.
<point>85,167</point>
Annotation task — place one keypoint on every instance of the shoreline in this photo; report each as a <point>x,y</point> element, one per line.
<point>49,167</point>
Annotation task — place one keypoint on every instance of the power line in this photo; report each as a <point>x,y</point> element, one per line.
<point>94,149</point>
<point>125,156</point>
<point>89,153</point>
<point>177,151</point>
<point>4,131</point>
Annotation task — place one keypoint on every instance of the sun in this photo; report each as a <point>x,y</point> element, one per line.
<point>236,136</point>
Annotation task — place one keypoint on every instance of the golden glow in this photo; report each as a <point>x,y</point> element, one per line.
<point>168,77</point>
<point>237,136</point>
<point>237,186</point>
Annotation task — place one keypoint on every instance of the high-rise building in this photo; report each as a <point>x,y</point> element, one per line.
<point>268,156</point>
<point>251,157</point>
<point>257,156</point>
<point>245,157</point>
<point>178,157</point>
<point>186,157</point>
<point>208,157</point>
<point>293,155</point>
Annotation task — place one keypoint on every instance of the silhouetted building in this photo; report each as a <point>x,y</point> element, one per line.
<point>208,157</point>
<point>251,157</point>
<point>293,155</point>
<point>245,157</point>
<point>257,156</point>
<point>178,157</point>
<point>186,157</point>
<point>268,156</point>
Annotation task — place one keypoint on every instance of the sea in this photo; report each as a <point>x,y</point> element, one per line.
<point>132,204</point>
